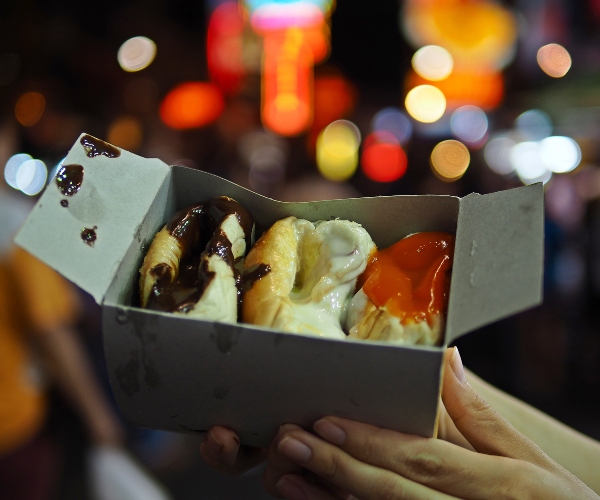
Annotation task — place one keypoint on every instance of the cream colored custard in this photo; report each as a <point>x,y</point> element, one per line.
<point>331,256</point>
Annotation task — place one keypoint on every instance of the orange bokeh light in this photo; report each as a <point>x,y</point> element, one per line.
<point>450,160</point>
<point>315,37</point>
<point>191,105</point>
<point>479,31</point>
<point>125,132</point>
<point>287,80</point>
<point>30,108</point>
<point>383,159</point>
<point>476,87</point>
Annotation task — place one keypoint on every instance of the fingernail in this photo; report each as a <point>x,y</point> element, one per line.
<point>295,450</point>
<point>288,486</point>
<point>329,431</point>
<point>457,366</point>
<point>214,446</point>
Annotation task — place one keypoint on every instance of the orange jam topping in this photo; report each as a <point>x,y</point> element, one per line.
<point>412,277</point>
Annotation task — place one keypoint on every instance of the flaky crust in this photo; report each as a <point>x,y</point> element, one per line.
<point>266,300</point>
<point>165,251</point>
<point>376,323</point>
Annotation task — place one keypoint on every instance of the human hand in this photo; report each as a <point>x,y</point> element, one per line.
<point>365,461</point>
<point>222,451</point>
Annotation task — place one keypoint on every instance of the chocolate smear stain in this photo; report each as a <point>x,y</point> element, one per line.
<point>96,147</point>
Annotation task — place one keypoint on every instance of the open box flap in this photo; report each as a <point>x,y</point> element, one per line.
<point>500,243</point>
<point>129,181</point>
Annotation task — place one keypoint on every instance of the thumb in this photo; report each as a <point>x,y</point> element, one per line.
<point>485,429</point>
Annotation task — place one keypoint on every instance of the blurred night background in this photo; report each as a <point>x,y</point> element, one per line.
<point>312,100</point>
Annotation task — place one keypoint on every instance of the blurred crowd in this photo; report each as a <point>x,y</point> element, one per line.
<point>60,75</point>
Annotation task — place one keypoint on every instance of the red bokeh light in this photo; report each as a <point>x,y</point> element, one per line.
<point>224,47</point>
<point>191,105</point>
<point>383,159</point>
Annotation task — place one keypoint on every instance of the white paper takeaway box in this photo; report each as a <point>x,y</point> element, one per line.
<point>174,373</point>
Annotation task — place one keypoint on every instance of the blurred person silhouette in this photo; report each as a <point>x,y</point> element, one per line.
<point>40,348</point>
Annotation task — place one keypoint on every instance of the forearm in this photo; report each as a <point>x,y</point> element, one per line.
<point>576,452</point>
<point>76,379</point>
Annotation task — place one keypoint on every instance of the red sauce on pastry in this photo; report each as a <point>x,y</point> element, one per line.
<point>411,278</point>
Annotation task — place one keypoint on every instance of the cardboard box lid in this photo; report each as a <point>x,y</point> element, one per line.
<point>498,264</point>
<point>129,181</point>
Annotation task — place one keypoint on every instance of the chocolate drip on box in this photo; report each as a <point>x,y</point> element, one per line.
<point>95,147</point>
<point>89,236</point>
<point>69,179</point>
<point>197,230</point>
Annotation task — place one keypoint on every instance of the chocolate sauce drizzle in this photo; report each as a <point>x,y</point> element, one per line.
<point>95,147</point>
<point>197,228</point>
<point>69,179</point>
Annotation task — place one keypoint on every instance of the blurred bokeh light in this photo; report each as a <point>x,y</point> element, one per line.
<point>560,154</point>
<point>482,32</point>
<point>337,150</point>
<point>497,154</point>
<point>395,122</point>
<point>467,86</point>
<point>433,62</point>
<point>12,168</point>
<point>528,163</point>
<point>554,60</point>
<point>136,53</point>
<point>383,159</point>
<point>126,132</point>
<point>30,108</point>
<point>191,105</point>
<point>533,125</point>
<point>469,124</point>
<point>450,159</point>
<point>26,174</point>
<point>225,46</point>
<point>425,103</point>
<point>287,80</point>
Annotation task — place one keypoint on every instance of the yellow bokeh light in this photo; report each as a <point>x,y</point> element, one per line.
<point>449,160</point>
<point>136,53</point>
<point>125,132</point>
<point>337,150</point>
<point>30,108</point>
<point>432,62</point>
<point>425,103</point>
<point>554,60</point>
<point>481,32</point>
